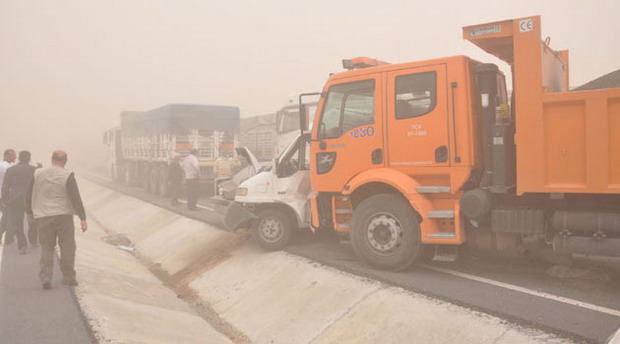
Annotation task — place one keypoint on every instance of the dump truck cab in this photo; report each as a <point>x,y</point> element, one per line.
<point>405,129</point>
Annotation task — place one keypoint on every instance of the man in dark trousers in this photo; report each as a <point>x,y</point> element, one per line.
<point>16,182</point>
<point>9,159</point>
<point>52,200</point>
<point>175,177</point>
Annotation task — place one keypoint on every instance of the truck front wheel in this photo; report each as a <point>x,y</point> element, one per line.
<point>386,232</point>
<point>272,230</point>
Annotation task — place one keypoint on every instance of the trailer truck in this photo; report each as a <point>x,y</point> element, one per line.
<point>145,143</point>
<point>433,154</point>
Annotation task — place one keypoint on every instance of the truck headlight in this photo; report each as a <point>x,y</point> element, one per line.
<point>241,192</point>
<point>325,162</point>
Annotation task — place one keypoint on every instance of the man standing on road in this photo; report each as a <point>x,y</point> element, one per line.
<point>52,200</point>
<point>224,165</point>
<point>14,188</point>
<point>175,177</point>
<point>192,171</point>
<point>9,159</point>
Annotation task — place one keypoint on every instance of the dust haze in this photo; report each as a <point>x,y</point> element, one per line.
<point>68,68</point>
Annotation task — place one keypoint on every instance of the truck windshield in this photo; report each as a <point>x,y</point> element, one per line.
<point>289,121</point>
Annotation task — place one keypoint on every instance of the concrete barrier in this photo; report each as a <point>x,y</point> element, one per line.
<point>277,297</point>
<point>125,303</point>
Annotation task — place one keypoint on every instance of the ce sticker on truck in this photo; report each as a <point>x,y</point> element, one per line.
<point>363,132</point>
<point>526,25</point>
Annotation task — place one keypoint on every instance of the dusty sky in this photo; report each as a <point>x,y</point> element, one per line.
<point>69,67</point>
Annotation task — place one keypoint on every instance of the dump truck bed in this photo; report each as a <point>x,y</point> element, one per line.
<point>566,142</point>
<point>574,146</point>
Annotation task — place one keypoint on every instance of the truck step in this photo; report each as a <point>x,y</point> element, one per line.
<point>433,189</point>
<point>441,214</point>
<point>344,211</point>
<point>446,253</point>
<point>442,235</point>
<point>344,225</point>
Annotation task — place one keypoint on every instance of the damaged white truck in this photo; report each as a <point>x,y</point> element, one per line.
<point>274,202</point>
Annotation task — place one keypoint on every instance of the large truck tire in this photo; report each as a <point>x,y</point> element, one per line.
<point>131,173</point>
<point>386,232</point>
<point>154,180</point>
<point>127,176</point>
<point>162,182</point>
<point>272,230</point>
<point>120,173</point>
<point>145,177</point>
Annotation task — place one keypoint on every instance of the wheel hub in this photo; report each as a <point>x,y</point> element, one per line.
<point>384,233</point>
<point>271,229</point>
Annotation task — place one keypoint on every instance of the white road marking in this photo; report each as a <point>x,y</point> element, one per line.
<point>565,300</point>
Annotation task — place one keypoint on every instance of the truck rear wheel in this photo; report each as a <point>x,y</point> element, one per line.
<point>145,176</point>
<point>163,182</point>
<point>154,180</point>
<point>131,171</point>
<point>272,230</point>
<point>386,232</point>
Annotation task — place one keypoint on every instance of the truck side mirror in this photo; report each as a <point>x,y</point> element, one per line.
<point>302,117</point>
<point>274,163</point>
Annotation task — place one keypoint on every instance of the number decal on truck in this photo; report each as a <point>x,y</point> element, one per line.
<point>362,132</point>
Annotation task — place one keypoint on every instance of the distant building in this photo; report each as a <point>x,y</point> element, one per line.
<point>258,133</point>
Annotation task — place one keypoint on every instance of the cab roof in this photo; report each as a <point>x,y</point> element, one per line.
<point>398,66</point>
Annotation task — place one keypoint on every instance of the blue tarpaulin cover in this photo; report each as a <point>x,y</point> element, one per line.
<point>179,119</point>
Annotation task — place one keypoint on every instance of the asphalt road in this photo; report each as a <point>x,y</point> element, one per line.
<point>29,314</point>
<point>581,301</point>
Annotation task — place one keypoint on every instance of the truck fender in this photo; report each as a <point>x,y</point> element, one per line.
<point>284,207</point>
<point>397,180</point>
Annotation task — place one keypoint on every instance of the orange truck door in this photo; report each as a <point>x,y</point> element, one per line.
<point>417,117</point>
<point>349,132</point>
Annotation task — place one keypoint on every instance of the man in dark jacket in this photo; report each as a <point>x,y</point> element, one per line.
<point>9,159</point>
<point>175,176</point>
<point>16,182</point>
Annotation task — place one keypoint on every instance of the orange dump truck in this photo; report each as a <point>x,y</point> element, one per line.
<point>434,153</point>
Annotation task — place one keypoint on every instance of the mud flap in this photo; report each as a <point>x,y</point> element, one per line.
<point>227,213</point>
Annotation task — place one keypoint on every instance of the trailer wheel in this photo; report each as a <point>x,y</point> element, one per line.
<point>145,176</point>
<point>127,176</point>
<point>154,180</point>
<point>386,232</point>
<point>272,230</point>
<point>119,173</point>
<point>131,171</point>
<point>163,182</point>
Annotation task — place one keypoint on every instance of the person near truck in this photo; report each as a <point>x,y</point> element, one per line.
<point>9,159</point>
<point>52,199</point>
<point>14,188</point>
<point>175,177</point>
<point>192,172</point>
<point>224,165</point>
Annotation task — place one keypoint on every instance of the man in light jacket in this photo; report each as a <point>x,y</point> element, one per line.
<point>52,200</point>
<point>192,172</point>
